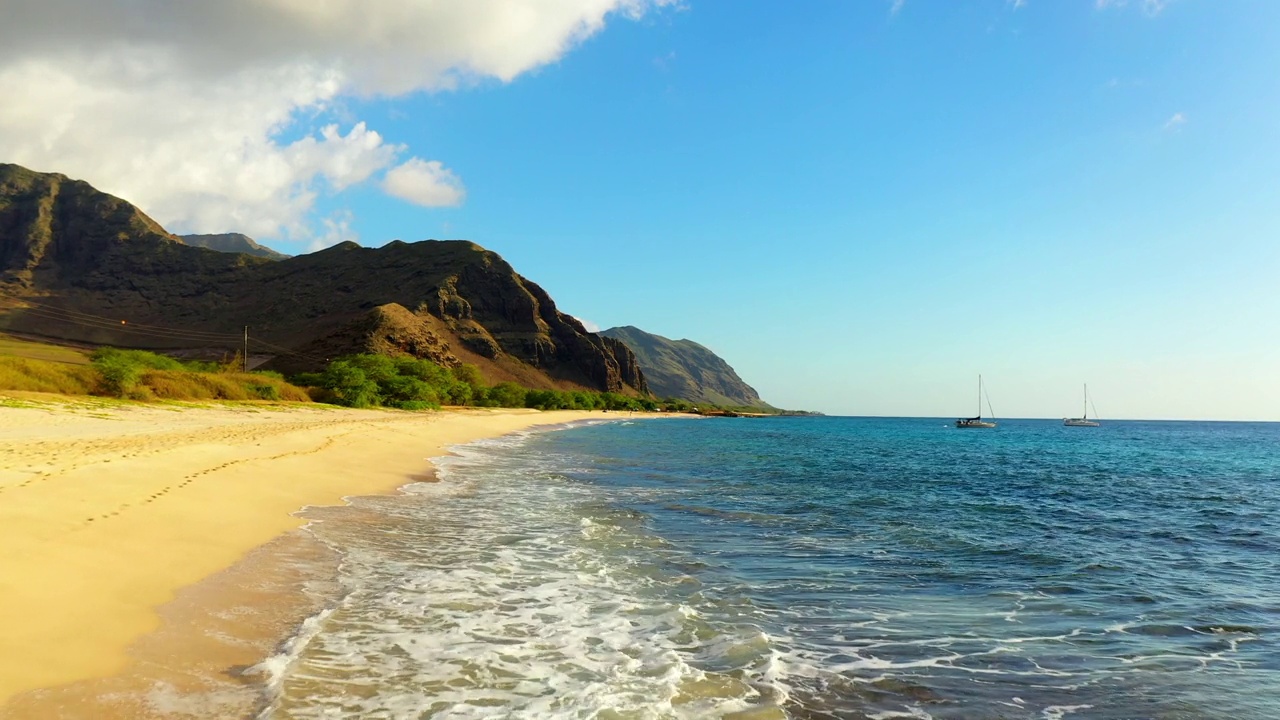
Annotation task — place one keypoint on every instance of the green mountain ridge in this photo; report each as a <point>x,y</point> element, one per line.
<point>685,369</point>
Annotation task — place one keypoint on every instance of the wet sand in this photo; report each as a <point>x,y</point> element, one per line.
<point>115,517</point>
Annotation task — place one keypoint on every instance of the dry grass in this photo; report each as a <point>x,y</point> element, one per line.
<point>185,385</point>
<point>10,345</point>
<point>20,373</point>
<point>26,374</point>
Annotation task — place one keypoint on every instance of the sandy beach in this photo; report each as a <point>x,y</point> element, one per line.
<point>108,511</point>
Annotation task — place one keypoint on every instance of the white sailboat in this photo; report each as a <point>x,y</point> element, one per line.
<point>1084,420</point>
<point>978,422</point>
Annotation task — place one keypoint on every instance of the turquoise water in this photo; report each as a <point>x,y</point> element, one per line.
<point>813,568</point>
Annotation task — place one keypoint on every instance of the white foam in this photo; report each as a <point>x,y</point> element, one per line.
<point>911,712</point>
<point>1056,712</point>
<point>276,666</point>
<point>522,596</point>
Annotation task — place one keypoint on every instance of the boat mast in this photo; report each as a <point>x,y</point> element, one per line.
<point>979,396</point>
<point>1086,402</point>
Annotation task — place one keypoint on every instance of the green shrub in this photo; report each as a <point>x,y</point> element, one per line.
<point>118,373</point>
<point>265,392</point>
<point>469,374</point>
<point>349,385</point>
<point>459,393</point>
<point>417,405</point>
<point>506,394</point>
<point>140,358</point>
<point>312,379</point>
<point>412,383</point>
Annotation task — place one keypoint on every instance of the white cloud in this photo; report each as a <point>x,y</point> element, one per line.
<point>895,6</point>
<point>335,229</point>
<point>192,110</point>
<point>424,182</point>
<point>1175,122</point>
<point>590,326</point>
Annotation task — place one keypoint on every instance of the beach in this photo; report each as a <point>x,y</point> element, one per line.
<point>108,511</point>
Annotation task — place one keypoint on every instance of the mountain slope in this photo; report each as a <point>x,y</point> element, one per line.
<point>232,243</point>
<point>685,369</point>
<point>76,256</point>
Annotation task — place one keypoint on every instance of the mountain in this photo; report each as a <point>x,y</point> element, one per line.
<point>232,243</point>
<point>684,369</point>
<point>79,264</point>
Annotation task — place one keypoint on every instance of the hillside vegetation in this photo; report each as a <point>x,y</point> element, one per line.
<point>84,266</point>
<point>142,375</point>
<point>414,384</point>
<point>34,350</point>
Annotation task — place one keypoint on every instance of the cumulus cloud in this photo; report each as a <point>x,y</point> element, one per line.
<point>424,182</point>
<point>193,110</point>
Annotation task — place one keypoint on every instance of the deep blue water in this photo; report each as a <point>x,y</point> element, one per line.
<point>817,568</point>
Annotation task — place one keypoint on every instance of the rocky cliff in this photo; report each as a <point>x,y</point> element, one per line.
<point>74,261</point>
<point>232,243</point>
<point>684,369</point>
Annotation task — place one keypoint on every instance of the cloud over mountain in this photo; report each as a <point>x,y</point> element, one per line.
<point>191,110</point>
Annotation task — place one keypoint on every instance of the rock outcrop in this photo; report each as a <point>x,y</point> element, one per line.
<point>684,369</point>
<point>87,260</point>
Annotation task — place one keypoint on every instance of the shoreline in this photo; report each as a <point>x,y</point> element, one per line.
<point>113,514</point>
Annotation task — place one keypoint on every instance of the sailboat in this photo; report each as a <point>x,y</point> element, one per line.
<point>978,422</point>
<point>1084,420</point>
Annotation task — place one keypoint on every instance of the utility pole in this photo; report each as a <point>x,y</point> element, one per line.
<point>246,348</point>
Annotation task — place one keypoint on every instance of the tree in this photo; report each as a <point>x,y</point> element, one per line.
<point>506,394</point>
<point>349,384</point>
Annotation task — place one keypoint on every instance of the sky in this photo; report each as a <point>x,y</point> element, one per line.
<point>860,204</point>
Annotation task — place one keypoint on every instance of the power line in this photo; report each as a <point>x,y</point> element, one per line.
<point>116,321</point>
<point>286,351</point>
<point>99,322</point>
<point>126,328</point>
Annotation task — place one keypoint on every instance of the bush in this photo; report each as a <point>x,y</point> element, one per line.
<point>469,374</point>
<point>418,405</point>
<point>138,358</point>
<point>118,374</point>
<point>506,394</point>
<point>412,383</point>
<point>265,392</point>
<point>400,390</point>
<point>459,393</point>
<point>349,384</point>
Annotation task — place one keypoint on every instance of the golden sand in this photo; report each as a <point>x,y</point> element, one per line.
<point>108,510</point>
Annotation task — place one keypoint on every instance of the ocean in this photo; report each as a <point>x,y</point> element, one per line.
<point>809,568</point>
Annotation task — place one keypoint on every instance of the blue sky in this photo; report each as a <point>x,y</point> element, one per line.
<point>863,207</point>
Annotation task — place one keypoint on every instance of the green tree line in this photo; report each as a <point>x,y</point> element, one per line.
<point>416,384</point>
